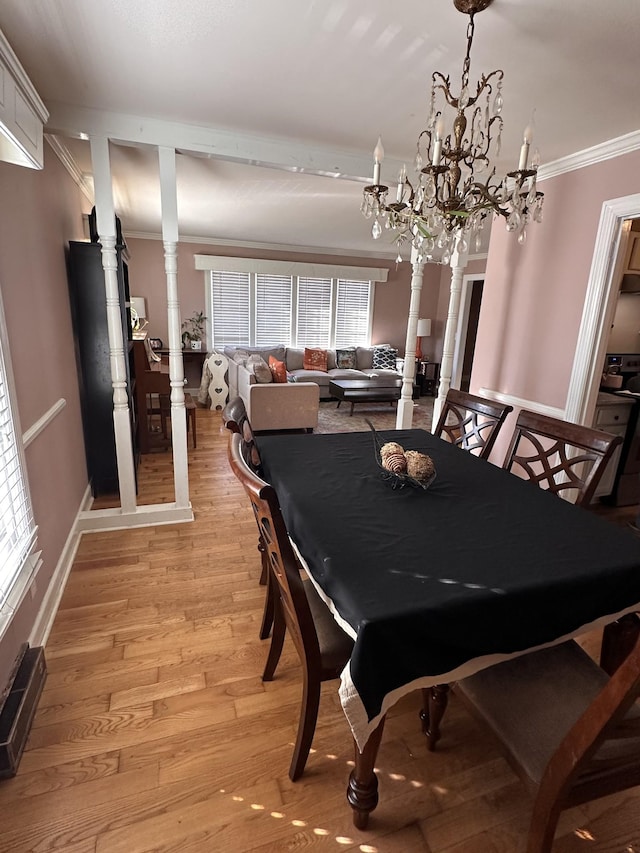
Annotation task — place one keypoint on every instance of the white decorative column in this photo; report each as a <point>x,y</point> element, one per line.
<point>106,227</point>
<point>404,417</point>
<point>168,196</point>
<point>458,263</point>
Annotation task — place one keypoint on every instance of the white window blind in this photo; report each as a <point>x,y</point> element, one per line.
<point>314,311</point>
<point>17,528</point>
<point>261,308</point>
<point>353,312</point>
<point>230,308</point>
<point>273,309</point>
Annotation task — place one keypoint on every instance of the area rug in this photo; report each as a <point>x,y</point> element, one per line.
<point>381,415</point>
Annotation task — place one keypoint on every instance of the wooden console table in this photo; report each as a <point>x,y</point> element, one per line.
<point>193,359</point>
<point>196,356</point>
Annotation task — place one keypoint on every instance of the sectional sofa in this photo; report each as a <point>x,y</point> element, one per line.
<point>294,404</point>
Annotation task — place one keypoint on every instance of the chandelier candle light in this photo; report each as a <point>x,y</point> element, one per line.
<point>457,188</point>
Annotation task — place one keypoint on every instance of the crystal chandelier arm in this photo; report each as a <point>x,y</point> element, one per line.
<point>492,201</point>
<point>445,88</point>
<point>485,85</point>
<point>429,134</point>
<point>480,151</point>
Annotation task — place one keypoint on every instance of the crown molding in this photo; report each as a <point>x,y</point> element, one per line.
<point>64,155</point>
<point>590,156</point>
<point>11,61</point>
<point>22,113</point>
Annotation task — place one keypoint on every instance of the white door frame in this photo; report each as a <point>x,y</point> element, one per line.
<point>463,325</point>
<point>599,307</point>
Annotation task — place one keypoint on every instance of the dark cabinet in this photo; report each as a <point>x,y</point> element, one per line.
<point>89,313</point>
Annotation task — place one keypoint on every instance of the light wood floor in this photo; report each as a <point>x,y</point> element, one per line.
<point>155,732</point>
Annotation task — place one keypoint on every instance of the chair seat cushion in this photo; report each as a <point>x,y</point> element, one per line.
<point>335,645</point>
<point>532,701</point>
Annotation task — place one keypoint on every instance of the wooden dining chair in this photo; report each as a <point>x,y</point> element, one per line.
<point>571,732</point>
<point>235,419</point>
<point>567,459</point>
<point>322,646</point>
<point>471,422</point>
<point>555,455</point>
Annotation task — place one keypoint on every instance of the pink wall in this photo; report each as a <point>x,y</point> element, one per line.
<point>147,278</point>
<point>40,211</point>
<point>534,295</point>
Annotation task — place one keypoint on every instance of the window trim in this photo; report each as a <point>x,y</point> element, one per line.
<point>16,588</point>
<point>221,263</point>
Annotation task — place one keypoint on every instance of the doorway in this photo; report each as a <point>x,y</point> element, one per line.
<point>470,302</point>
<point>607,266</point>
<point>599,306</point>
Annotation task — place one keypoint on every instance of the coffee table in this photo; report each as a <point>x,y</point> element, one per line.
<point>374,390</point>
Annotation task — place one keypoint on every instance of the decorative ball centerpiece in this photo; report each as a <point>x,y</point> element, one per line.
<point>419,466</point>
<point>403,467</point>
<point>393,458</point>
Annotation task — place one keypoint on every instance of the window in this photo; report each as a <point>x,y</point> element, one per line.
<point>256,309</point>
<point>273,309</point>
<point>230,296</point>
<point>17,528</point>
<point>353,313</point>
<point>314,311</point>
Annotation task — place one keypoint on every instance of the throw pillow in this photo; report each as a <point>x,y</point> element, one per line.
<point>240,356</point>
<point>315,359</point>
<point>278,369</point>
<point>384,358</point>
<point>346,358</point>
<point>260,369</point>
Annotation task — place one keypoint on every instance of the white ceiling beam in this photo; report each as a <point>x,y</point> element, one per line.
<point>256,150</point>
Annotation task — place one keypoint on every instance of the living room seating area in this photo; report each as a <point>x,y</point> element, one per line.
<point>281,386</point>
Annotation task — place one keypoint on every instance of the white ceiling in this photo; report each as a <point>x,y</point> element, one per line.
<point>306,86</point>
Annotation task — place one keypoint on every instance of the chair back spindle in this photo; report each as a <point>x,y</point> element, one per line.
<point>567,459</point>
<point>471,422</point>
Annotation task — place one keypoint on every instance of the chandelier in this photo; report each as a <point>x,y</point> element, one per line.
<point>456,185</point>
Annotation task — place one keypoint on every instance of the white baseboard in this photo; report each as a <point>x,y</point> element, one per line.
<point>51,601</point>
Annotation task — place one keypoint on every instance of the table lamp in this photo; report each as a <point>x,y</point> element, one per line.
<point>138,306</point>
<point>423,331</point>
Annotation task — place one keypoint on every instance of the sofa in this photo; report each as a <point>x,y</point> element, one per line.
<point>293,404</point>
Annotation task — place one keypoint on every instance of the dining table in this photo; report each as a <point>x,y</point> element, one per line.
<point>434,584</point>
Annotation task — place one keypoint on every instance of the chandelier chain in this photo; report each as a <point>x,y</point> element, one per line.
<point>466,65</point>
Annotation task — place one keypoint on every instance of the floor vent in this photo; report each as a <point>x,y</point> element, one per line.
<point>19,708</point>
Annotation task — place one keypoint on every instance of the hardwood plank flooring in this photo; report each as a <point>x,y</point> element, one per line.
<point>156,733</point>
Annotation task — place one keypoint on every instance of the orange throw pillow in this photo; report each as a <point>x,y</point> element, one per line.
<point>278,369</point>
<point>315,359</point>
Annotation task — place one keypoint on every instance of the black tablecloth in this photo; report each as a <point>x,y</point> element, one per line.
<point>481,563</point>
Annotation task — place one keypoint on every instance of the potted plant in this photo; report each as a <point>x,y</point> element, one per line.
<point>193,330</point>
